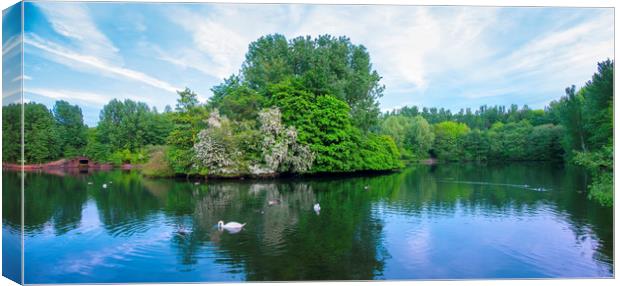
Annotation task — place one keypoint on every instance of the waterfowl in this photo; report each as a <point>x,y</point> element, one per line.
<point>230,225</point>
<point>317,208</point>
<point>105,186</point>
<point>182,231</point>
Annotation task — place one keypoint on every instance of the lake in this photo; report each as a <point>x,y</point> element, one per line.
<point>450,221</point>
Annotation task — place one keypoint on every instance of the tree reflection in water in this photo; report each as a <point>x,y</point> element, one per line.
<point>287,240</point>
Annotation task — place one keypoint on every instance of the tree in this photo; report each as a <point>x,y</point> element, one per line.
<point>12,133</point>
<point>321,121</point>
<point>399,127</point>
<point>41,141</point>
<point>598,106</point>
<point>130,125</point>
<point>236,100</point>
<point>95,149</point>
<point>447,135</point>
<point>545,143</point>
<point>188,120</point>
<point>600,163</point>
<point>475,146</point>
<point>71,128</point>
<point>419,137</point>
<point>325,66</point>
<point>187,100</point>
<point>570,111</point>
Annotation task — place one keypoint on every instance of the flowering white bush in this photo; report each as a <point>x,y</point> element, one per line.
<point>220,151</point>
<point>280,149</point>
<point>212,149</point>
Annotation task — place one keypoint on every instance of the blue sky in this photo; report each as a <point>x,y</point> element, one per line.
<point>453,57</point>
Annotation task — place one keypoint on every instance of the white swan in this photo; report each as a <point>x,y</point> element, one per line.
<point>317,208</point>
<point>230,225</point>
<point>105,186</point>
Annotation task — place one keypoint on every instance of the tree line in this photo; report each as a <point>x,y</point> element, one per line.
<point>310,105</point>
<point>577,128</point>
<point>305,105</point>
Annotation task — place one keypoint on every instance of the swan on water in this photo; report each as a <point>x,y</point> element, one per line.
<point>233,225</point>
<point>105,186</point>
<point>317,208</point>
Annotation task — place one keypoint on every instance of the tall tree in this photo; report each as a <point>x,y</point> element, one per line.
<point>326,65</point>
<point>41,142</point>
<point>11,133</point>
<point>570,111</point>
<point>420,137</point>
<point>598,105</point>
<point>188,120</point>
<point>70,127</point>
<point>447,136</point>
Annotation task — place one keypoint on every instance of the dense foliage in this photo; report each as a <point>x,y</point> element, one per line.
<point>309,105</point>
<point>48,135</point>
<point>324,89</point>
<point>325,65</point>
<point>70,128</point>
<point>578,127</point>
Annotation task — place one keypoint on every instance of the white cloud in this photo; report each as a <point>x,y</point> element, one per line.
<point>548,62</point>
<point>74,21</point>
<point>95,98</point>
<point>71,58</point>
<point>468,51</point>
<point>12,92</point>
<point>69,95</point>
<point>20,77</point>
<point>217,50</point>
<point>12,46</point>
<point>88,48</point>
<point>407,44</point>
<point>221,35</point>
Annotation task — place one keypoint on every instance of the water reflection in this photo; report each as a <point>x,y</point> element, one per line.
<point>423,222</point>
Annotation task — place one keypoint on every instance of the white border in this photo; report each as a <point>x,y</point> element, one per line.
<point>554,3</point>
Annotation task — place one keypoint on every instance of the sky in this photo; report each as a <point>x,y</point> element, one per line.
<point>434,56</point>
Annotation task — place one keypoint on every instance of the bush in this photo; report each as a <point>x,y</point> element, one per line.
<point>127,157</point>
<point>600,164</point>
<point>158,165</point>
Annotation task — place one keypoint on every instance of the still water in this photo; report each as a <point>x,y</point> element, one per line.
<point>425,222</point>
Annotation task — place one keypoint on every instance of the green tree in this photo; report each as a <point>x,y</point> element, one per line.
<point>419,137</point>
<point>399,127</point>
<point>545,143</point>
<point>236,100</point>
<point>95,149</point>
<point>188,120</point>
<point>447,135</point>
<point>11,133</point>
<point>598,106</point>
<point>130,125</point>
<point>324,123</point>
<point>70,127</point>
<point>475,146</point>
<point>325,66</point>
<point>41,140</point>
<point>570,112</point>
<point>600,163</point>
